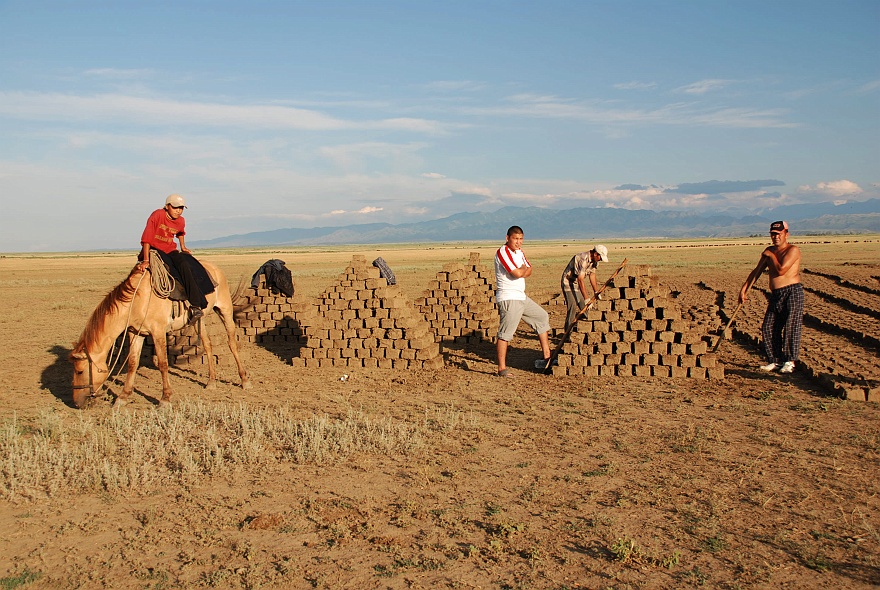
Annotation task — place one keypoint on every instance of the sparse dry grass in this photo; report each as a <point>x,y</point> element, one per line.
<point>122,452</point>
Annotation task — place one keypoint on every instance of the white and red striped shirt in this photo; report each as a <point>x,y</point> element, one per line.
<point>508,288</point>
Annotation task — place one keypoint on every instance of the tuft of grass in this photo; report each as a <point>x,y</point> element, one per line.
<point>19,580</point>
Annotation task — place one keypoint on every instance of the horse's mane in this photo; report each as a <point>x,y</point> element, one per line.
<point>122,293</point>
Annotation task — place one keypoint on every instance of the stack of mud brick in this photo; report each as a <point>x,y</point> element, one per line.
<point>460,304</point>
<point>637,330</point>
<point>265,317</point>
<point>261,316</point>
<point>365,322</point>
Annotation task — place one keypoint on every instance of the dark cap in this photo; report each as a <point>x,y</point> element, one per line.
<point>778,226</point>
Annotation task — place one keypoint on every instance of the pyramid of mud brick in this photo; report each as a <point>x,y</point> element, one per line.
<point>637,330</point>
<point>261,316</point>
<point>460,304</point>
<point>365,322</point>
<point>267,317</point>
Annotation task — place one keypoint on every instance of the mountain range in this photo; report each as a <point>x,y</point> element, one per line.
<point>579,223</point>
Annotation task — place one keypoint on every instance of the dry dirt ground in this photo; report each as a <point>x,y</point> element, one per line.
<point>754,481</point>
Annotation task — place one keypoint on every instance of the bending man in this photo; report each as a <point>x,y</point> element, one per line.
<point>574,280</point>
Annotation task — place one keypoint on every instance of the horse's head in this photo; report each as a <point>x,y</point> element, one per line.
<point>88,376</point>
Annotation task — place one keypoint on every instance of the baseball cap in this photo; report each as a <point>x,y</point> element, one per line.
<point>602,251</point>
<point>778,226</point>
<point>175,201</point>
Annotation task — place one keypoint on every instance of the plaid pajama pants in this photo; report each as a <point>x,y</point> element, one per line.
<point>784,323</point>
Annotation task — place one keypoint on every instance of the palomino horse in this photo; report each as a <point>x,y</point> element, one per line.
<point>132,305</point>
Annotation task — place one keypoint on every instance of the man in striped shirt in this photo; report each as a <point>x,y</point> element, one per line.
<point>511,269</point>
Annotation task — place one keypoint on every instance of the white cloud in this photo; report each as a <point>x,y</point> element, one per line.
<point>681,113</point>
<point>834,188</point>
<point>434,175</point>
<point>636,86</point>
<point>156,111</point>
<point>704,86</point>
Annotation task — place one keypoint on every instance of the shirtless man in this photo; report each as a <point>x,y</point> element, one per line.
<point>784,320</point>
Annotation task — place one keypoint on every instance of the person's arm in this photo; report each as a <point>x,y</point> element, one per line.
<point>753,276</point>
<point>792,257</point>
<point>183,247</point>
<point>145,256</point>
<point>595,284</point>
<point>521,272</point>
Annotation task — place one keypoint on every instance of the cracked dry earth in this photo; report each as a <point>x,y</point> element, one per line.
<point>450,478</point>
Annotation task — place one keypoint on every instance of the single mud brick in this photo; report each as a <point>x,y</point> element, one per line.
<point>297,362</point>
<point>637,325</point>
<point>629,336</point>
<point>707,360</point>
<point>678,372</point>
<point>715,372</point>
<point>618,326</point>
<point>873,394</point>
<point>630,359</point>
<point>604,348</point>
<point>624,370</point>
<point>642,371</point>
<point>602,305</point>
<point>658,371</point>
<point>609,337</point>
<point>594,360</point>
<point>641,346</point>
<point>677,348</point>
<point>687,361</point>
<point>606,371</point>
<point>647,313</point>
<point>697,348</point>
<point>650,359</point>
<point>593,338</point>
<point>697,373</point>
<point>613,359</point>
<point>666,336</point>
<point>559,371</point>
<point>564,360</point>
<point>622,347</point>
<point>599,327</point>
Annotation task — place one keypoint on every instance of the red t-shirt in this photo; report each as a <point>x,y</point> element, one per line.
<point>161,231</point>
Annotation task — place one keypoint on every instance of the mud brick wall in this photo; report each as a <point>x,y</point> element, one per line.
<point>459,305</point>
<point>637,330</point>
<point>365,322</point>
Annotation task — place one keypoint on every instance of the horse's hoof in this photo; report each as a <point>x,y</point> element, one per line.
<point>211,385</point>
<point>119,403</point>
<point>247,385</point>
<point>164,405</point>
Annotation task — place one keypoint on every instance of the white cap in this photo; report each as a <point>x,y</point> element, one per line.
<point>602,251</point>
<point>175,201</point>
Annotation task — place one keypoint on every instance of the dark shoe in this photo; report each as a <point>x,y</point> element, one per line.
<point>195,314</point>
<point>505,373</point>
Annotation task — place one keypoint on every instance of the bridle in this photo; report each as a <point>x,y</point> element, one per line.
<point>91,385</point>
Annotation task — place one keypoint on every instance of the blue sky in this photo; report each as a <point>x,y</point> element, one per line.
<point>267,115</point>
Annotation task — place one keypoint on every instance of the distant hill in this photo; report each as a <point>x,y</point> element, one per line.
<point>580,223</point>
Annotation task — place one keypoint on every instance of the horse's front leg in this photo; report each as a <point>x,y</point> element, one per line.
<point>135,345</point>
<point>161,345</point>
